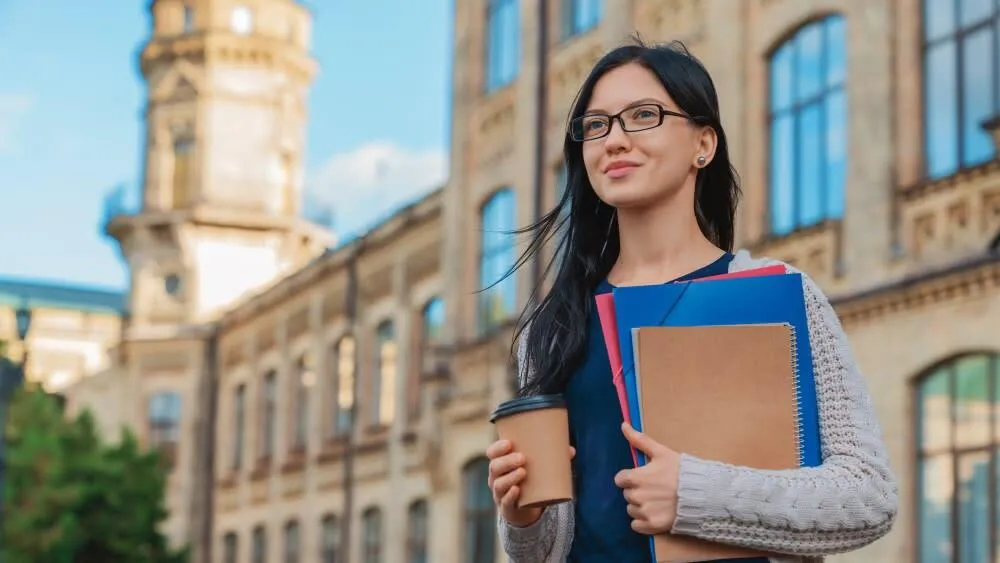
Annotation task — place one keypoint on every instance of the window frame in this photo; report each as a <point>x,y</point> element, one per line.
<point>416,545</point>
<point>485,324</point>
<point>479,512</point>
<point>794,110</point>
<point>921,454</point>
<point>956,37</point>
<point>568,17</point>
<point>371,542</point>
<point>498,45</point>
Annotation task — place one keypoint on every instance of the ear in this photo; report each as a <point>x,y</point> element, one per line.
<point>708,140</point>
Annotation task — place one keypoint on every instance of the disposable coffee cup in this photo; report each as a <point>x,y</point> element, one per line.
<point>538,428</point>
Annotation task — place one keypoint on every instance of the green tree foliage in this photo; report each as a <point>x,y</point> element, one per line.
<point>70,498</point>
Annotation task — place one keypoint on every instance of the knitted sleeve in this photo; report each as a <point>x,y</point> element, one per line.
<point>847,502</point>
<point>547,540</point>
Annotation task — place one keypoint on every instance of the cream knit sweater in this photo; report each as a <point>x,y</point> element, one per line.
<point>849,501</point>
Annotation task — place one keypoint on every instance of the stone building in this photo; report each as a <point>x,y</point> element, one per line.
<point>322,401</point>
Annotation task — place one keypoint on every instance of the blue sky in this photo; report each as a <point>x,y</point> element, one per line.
<point>71,97</point>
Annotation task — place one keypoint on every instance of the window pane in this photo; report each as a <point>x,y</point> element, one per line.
<point>809,62</point>
<point>782,91</point>
<point>936,482</point>
<point>810,172</point>
<point>836,51</point>
<point>935,411</point>
<point>782,175</point>
<point>939,18</point>
<point>433,320</point>
<point>974,11</point>
<point>941,106</point>
<point>972,402</point>
<point>978,70</point>
<point>974,507</point>
<point>836,152</point>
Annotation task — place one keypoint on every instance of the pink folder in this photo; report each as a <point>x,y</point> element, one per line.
<point>609,326</point>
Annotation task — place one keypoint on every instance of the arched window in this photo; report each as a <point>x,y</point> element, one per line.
<point>239,415</point>
<point>432,327</point>
<point>808,117</point>
<point>479,518</point>
<point>416,536</point>
<point>343,371</point>
<point>259,548</point>
<point>164,419</point>
<point>958,431</point>
<point>183,153</point>
<point>497,303</point>
<point>305,379</point>
<point>371,540</point>
<point>292,547</point>
<point>961,64</point>
<point>384,384</point>
<point>268,412</point>
<point>503,38</point>
<point>329,541</point>
<point>230,548</point>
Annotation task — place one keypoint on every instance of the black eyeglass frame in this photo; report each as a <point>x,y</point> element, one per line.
<point>618,117</point>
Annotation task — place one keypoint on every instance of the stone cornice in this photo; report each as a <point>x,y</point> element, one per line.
<point>962,177</point>
<point>967,279</point>
<point>225,47</point>
<point>332,261</point>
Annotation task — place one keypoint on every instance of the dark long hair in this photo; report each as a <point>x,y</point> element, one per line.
<point>586,228</point>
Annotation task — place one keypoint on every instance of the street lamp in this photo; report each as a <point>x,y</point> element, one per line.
<point>11,377</point>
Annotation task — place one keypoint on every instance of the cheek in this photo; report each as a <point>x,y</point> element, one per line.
<point>592,162</point>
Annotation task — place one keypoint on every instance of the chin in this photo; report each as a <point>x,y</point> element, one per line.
<point>624,195</point>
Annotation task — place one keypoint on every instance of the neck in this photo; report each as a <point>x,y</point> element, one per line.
<point>661,243</point>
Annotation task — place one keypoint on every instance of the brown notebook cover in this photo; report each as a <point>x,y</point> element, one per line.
<point>722,393</point>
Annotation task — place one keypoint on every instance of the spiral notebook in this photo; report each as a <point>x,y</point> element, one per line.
<point>738,407</point>
<point>742,301</point>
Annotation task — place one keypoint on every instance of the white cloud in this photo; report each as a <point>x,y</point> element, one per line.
<point>12,108</point>
<point>364,185</point>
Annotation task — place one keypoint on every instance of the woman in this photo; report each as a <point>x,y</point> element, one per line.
<point>651,197</point>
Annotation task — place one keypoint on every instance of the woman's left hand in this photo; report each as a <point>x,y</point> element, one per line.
<point>651,490</point>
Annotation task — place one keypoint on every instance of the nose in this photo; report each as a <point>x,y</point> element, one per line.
<point>617,138</point>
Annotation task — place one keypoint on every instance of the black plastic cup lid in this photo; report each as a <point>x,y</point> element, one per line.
<point>525,404</point>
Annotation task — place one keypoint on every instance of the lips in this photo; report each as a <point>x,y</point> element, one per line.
<point>620,169</point>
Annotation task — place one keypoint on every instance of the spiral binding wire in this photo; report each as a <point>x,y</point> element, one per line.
<point>798,395</point>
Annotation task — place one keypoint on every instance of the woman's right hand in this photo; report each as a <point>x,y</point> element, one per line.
<point>506,472</point>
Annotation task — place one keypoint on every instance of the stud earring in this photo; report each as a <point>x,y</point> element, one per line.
<point>701,160</point>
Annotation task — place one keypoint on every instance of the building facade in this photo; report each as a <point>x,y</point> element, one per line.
<point>340,407</point>
<point>71,331</point>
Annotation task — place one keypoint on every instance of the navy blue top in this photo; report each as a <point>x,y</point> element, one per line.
<point>603,531</point>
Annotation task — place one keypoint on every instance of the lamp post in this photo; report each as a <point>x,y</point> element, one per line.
<point>11,377</point>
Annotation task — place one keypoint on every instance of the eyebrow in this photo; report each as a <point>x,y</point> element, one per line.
<point>642,102</point>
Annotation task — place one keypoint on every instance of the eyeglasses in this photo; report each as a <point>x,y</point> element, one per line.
<point>636,118</point>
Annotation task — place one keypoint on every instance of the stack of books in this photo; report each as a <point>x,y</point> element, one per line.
<point>719,368</point>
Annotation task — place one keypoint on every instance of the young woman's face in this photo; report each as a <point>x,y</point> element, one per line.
<point>639,168</point>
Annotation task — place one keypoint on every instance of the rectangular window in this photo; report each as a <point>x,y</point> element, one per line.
<point>239,410</point>
<point>580,16</point>
<point>961,83</point>
<point>503,43</point>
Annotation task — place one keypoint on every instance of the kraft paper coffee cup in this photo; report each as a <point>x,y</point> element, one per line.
<point>538,428</point>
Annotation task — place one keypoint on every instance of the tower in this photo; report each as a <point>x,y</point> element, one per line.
<point>223,158</point>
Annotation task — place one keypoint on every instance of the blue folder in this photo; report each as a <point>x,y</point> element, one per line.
<point>728,301</point>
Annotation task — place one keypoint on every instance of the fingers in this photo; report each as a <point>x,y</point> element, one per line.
<point>641,441</point>
<point>625,478</point>
<point>508,503</point>
<point>504,465</point>
<point>572,452</point>
<point>503,484</point>
<point>498,448</point>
